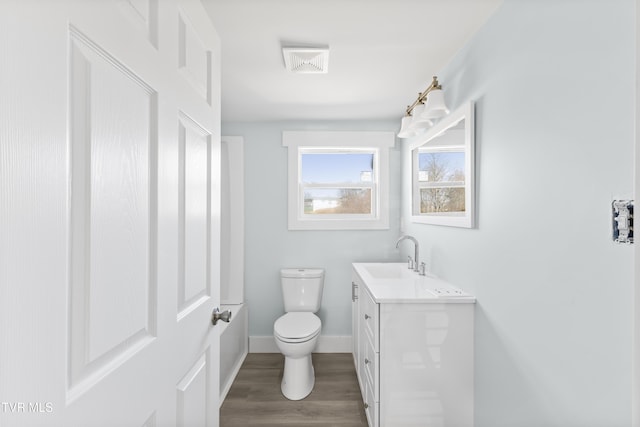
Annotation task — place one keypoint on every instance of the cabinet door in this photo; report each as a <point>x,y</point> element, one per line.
<point>426,365</point>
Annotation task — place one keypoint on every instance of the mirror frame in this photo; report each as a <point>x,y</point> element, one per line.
<point>467,219</point>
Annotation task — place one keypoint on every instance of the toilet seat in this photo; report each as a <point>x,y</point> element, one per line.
<point>297,327</point>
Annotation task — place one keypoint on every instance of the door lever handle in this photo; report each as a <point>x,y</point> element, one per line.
<point>225,316</point>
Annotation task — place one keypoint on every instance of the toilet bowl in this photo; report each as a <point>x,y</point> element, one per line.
<point>296,332</point>
<point>296,336</point>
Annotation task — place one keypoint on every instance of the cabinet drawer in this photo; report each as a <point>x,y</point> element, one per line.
<point>370,404</point>
<point>369,314</point>
<point>370,363</point>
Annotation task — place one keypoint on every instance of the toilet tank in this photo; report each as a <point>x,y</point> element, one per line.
<point>302,288</point>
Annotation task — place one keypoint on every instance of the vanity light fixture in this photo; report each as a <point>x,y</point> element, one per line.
<point>420,114</point>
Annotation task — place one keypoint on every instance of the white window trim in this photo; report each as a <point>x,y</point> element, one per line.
<point>379,141</point>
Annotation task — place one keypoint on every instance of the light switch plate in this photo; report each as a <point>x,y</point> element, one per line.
<point>622,221</point>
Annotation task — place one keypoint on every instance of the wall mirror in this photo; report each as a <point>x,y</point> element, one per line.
<point>442,171</point>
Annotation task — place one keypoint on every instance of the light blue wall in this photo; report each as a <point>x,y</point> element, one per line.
<point>269,246</point>
<point>553,82</point>
<point>554,88</point>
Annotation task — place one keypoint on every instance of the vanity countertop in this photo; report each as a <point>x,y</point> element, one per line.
<point>393,282</point>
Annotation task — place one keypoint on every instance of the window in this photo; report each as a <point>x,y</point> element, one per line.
<point>338,180</point>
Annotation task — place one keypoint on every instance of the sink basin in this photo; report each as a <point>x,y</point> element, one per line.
<point>392,270</point>
<point>388,270</point>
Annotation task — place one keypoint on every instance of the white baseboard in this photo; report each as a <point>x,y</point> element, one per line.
<point>326,344</point>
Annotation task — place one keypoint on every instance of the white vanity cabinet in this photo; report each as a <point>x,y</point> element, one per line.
<point>365,347</point>
<point>413,349</point>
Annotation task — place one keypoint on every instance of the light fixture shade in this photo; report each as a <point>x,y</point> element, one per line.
<point>435,106</point>
<point>419,121</point>
<point>406,130</point>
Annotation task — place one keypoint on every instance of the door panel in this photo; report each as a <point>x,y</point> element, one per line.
<point>112,237</point>
<point>195,216</point>
<point>143,15</point>
<point>192,395</point>
<point>194,58</point>
<point>109,213</point>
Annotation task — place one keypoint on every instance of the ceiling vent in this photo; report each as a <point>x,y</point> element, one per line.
<point>306,60</point>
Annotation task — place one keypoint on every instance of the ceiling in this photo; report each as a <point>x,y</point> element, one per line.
<point>382,54</point>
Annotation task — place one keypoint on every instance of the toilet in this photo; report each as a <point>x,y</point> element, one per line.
<point>296,332</point>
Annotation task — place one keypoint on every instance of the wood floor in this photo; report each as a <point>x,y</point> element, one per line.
<point>255,398</point>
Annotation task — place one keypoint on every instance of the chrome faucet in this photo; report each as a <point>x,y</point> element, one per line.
<point>416,263</point>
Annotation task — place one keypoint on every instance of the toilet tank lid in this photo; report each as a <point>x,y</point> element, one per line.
<point>302,273</point>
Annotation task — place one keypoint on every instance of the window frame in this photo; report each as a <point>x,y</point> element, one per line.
<point>301,142</point>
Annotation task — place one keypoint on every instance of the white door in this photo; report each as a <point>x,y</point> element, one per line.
<point>109,213</point>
